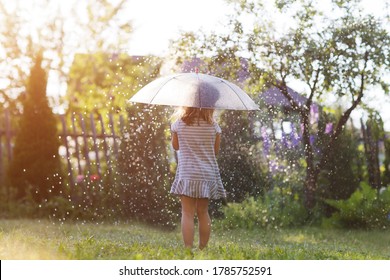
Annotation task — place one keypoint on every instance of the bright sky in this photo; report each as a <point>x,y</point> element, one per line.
<point>155,22</point>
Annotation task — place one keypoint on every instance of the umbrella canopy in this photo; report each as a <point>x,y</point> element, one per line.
<point>195,90</point>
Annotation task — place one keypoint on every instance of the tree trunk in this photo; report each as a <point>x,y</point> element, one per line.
<point>310,188</point>
<point>311,177</point>
<point>371,150</point>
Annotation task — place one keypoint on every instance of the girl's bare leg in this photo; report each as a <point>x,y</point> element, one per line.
<point>188,206</point>
<point>204,221</point>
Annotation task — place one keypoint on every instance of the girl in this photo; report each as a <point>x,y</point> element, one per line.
<point>196,136</point>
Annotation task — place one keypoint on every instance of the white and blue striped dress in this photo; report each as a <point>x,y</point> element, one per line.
<point>197,173</point>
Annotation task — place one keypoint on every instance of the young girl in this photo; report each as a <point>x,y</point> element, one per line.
<point>196,136</point>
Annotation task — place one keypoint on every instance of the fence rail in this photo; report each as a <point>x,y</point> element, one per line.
<point>89,143</point>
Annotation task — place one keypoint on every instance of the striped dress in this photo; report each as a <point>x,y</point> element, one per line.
<point>197,173</point>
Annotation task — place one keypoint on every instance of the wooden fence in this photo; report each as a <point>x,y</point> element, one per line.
<point>89,144</point>
<point>6,135</point>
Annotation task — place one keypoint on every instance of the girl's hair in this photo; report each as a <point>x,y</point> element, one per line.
<point>189,114</point>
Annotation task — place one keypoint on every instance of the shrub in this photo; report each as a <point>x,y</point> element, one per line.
<point>365,208</point>
<point>35,162</point>
<point>340,176</point>
<point>143,166</point>
<point>241,172</point>
<point>279,208</point>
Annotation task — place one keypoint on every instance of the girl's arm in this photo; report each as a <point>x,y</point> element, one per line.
<point>217,143</point>
<point>175,141</point>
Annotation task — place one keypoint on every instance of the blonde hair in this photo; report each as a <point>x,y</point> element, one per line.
<point>189,114</point>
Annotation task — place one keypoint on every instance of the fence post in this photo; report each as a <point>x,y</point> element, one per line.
<point>121,124</point>
<point>105,146</point>
<point>76,138</point>
<point>65,140</point>
<point>95,144</point>
<point>113,134</point>
<point>86,150</point>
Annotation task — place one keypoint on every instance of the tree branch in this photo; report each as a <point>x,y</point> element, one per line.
<point>313,88</point>
<point>343,120</point>
<point>282,86</point>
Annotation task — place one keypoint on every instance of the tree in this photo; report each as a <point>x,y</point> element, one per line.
<point>344,59</point>
<point>62,28</point>
<point>35,168</point>
<point>373,132</point>
<point>104,82</point>
<point>338,57</point>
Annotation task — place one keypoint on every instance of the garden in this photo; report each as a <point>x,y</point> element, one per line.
<point>86,174</point>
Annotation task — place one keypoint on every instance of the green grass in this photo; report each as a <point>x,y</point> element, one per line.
<point>33,239</point>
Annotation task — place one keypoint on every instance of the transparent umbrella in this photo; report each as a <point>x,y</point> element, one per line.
<point>194,90</point>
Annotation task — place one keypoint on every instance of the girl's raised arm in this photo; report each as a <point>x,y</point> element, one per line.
<point>217,143</point>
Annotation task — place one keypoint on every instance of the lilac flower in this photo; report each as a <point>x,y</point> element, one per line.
<point>273,166</point>
<point>266,141</point>
<point>79,179</point>
<point>329,128</point>
<point>285,141</point>
<point>314,115</point>
<point>312,139</point>
<point>294,137</point>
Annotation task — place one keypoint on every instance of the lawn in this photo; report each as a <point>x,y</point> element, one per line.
<point>34,239</point>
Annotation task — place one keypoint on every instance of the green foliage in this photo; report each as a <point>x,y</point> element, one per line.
<point>35,167</point>
<point>339,177</point>
<point>103,82</point>
<point>277,209</point>
<point>366,208</point>
<point>241,172</point>
<point>386,162</point>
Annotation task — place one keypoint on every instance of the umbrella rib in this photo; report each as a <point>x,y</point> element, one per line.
<point>151,101</point>
<point>200,101</point>
<point>235,93</point>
